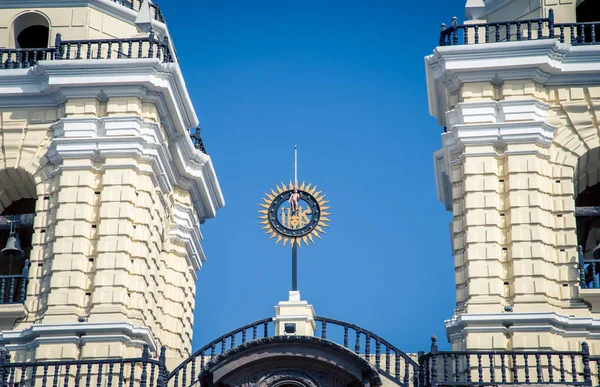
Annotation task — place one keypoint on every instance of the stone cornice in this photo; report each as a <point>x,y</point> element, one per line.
<point>522,322</point>
<point>130,136</point>
<point>52,82</point>
<point>77,331</point>
<point>547,62</point>
<point>108,7</point>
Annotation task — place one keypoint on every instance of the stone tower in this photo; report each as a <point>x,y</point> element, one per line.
<point>516,88</point>
<point>98,167</point>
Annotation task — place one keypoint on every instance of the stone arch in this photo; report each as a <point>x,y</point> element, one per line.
<point>30,29</point>
<point>299,361</point>
<point>588,11</point>
<point>575,151</point>
<point>285,378</point>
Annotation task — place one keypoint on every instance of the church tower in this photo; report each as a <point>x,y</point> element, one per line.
<point>516,88</point>
<point>99,180</point>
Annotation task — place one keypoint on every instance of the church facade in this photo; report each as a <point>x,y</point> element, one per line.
<point>105,184</point>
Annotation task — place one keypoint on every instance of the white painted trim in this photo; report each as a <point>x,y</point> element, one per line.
<point>547,62</point>
<point>148,79</point>
<point>494,5</point>
<point>80,332</point>
<point>129,136</point>
<point>567,326</point>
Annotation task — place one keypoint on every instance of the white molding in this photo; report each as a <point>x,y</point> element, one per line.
<point>502,133</point>
<point>526,126</point>
<point>494,5</point>
<point>546,61</point>
<point>148,79</point>
<point>128,136</point>
<point>62,333</point>
<point>566,326</point>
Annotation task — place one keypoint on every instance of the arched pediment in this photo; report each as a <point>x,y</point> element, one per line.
<point>303,361</point>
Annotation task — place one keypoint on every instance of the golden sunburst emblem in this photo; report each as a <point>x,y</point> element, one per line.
<point>294,213</point>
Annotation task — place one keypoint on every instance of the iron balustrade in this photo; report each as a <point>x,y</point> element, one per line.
<point>436,368</point>
<point>197,140</point>
<point>588,271</point>
<point>137,4</point>
<point>24,57</point>
<point>127,48</point>
<point>13,288</point>
<point>134,372</point>
<point>492,368</point>
<point>520,30</point>
<point>387,358</point>
<point>186,374</point>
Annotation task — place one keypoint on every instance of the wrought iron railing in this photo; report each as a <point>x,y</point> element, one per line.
<point>588,271</point>
<point>491,368</point>
<point>387,358</point>
<point>128,48</point>
<point>433,369</point>
<point>137,4</point>
<point>142,371</point>
<point>520,30</point>
<point>197,140</point>
<point>186,374</point>
<point>13,288</point>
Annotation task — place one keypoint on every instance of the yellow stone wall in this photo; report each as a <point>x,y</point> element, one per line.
<point>514,230</point>
<point>101,246</point>
<point>564,10</point>
<point>73,23</point>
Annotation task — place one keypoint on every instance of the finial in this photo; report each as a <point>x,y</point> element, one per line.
<point>144,18</point>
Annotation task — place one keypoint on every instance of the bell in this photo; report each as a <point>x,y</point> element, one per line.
<point>596,252</point>
<point>13,248</point>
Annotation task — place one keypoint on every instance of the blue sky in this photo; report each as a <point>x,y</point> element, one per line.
<point>346,82</point>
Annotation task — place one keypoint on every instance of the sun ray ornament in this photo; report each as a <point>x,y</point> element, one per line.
<point>294,214</point>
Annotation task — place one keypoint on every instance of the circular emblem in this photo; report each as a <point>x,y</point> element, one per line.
<point>294,214</point>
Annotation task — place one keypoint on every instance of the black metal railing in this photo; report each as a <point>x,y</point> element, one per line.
<point>520,30</point>
<point>128,48</point>
<point>137,4</point>
<point>433,369</point>
<point>491,368</point>
<point>142,371</point>
<point>13,288</point>
<point>387,358</point>
<point>589,271</point>
<point>24,57</point>
<point>186,374</point>
<point>197,140</point>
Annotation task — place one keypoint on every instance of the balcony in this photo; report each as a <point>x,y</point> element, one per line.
<point>197,140</point>
<point>520,30</point>
<point>129,48</point>
<point>432,369</point>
